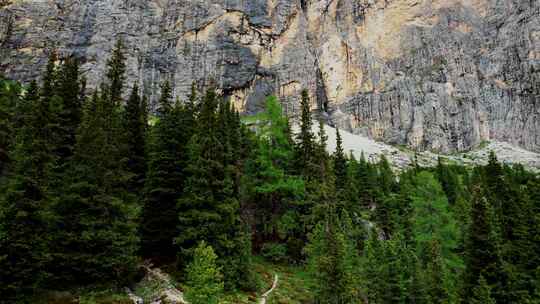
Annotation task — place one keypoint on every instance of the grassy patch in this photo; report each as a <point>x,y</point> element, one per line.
<point>252,119</point>
<point>293,284</point>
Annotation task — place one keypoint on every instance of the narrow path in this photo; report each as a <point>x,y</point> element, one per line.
<point>267,294</point>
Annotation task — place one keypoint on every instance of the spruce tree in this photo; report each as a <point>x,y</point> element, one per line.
<point>70,107</point>
<point>305,146</point>
<point>204,278</point>
<point>116,69</point>
<point>332,260</point>
<point>135,127</point>
<point>95,233</point>
<point>12,107</point>
<point>482,293</point>
<point>482,248</point>
<point>167,162</point>
<point>209,210</point>
<point>24,201</point>
<point>340,163</point>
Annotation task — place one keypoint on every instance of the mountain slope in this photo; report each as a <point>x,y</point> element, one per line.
<point>438,75</point>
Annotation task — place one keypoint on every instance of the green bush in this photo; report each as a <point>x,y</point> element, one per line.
<point>275,252</point>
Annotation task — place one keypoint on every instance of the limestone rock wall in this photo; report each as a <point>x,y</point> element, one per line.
<point>433,74</point>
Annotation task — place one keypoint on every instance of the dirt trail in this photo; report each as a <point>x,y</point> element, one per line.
<point>267,294</point>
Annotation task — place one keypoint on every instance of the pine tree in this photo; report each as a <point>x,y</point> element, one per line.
<point>204,278</point>
<point>340,163</point>
<point>482,293</point>
<point>209,210</point>
<point>23,203</point>
<point>12,106</point>
<point>116,69</point>
<point>95,233</point>
<point>268,182</point>
<point>332,261</point>
<point>482,254</point>
<point>167,161</point>
<point>135,126</point>
<point>70,102</point>
<point>305,147</point>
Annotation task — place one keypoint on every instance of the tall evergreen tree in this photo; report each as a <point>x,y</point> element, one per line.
<point>482,293</point>
<point>340,163</point>
<point>70,107</point>
<point>482,254</point>
<point>12,107</point>
<point>167,161</point>
<point>116,69</point>
<point>23,239</point>
<point>332,260</point>
<point>135,126</point>
<point>305,146</point>
<point>268,182</point>
<point>204,279</point>
<point>95,233</point>
<point>208,210</point>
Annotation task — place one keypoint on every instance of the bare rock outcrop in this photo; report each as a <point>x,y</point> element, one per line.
<point>440,75</point>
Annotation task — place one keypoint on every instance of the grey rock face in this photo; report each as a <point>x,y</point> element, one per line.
<point>442,75</point>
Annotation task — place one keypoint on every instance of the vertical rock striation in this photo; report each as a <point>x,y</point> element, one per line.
<point>442,75</point>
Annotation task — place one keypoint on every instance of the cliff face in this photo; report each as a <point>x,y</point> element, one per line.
<point>432,74</point>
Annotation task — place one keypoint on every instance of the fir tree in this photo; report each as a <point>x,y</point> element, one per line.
<point>167,161</point>
<point>135,126</point>
<point>116,69</point>
<point>95,233</point>
<point>23,203</point>
<point>432,219</point>
<point>482,254</point>
<point>204,279</point>
<point>208,210</point>
<point>165,104</point>
<point>305,147</point>
<point>69,94</point>
<point>12,107</point>
<point>332,260</point>
<point>340,163</point>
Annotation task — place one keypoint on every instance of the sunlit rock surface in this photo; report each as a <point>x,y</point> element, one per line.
<point>442,75</point>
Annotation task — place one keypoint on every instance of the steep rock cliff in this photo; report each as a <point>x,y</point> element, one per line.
<point>441,74</point>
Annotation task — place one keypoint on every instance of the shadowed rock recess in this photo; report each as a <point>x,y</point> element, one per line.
<point>442,75</point>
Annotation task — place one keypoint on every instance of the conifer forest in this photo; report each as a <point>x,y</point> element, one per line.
<point>102,192</point>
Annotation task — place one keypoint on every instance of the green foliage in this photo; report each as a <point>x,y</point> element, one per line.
<point>135,124</point>
<point>482,293</point>
<point>340,164</point>
<point>167,161</point>
<point>386,270</point>
<point>268,184</point>
<point>274,252</point>
<point>204,278</point>
<point>10,111</point>
<point>332,262</point>
<point>74,179</point>
<point>305,141</point>
<point>116,69</point>
<point>95,232</point>
<point>209,209</point>
<point>482,253</point>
